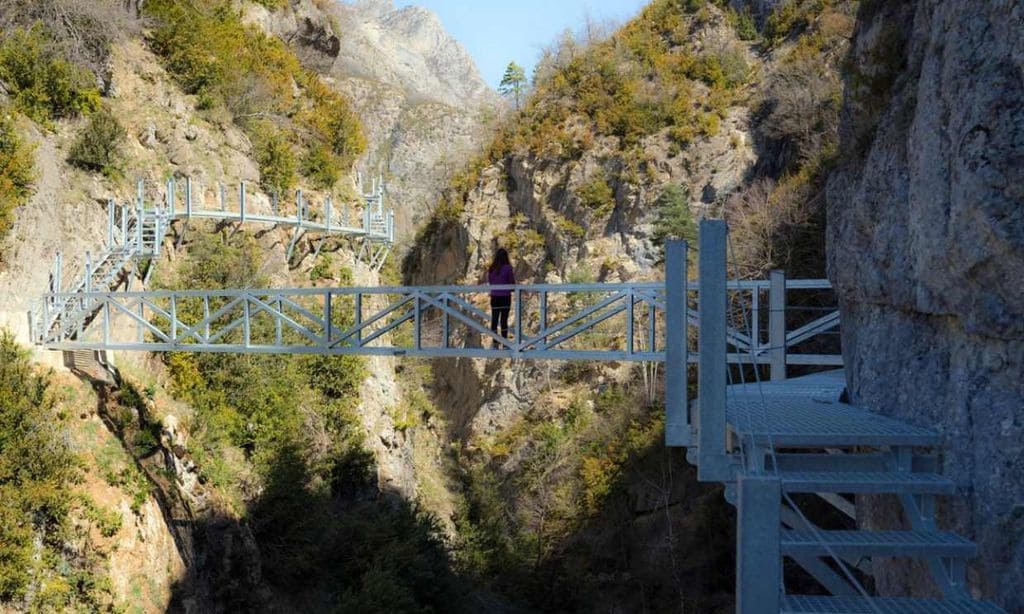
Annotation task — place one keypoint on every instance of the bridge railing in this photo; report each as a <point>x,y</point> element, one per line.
<point>554,321</point>
<point>571,321</point>
<point>189,201</point>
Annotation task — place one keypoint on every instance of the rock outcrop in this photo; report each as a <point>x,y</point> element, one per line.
<point>417,90</point>
<point>926,250</point>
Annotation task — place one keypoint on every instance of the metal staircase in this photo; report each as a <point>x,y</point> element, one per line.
<point>774,443</point>
<point>136,233</point>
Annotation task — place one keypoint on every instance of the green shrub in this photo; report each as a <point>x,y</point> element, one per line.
<point>225,62</point>
<point>274,154</point>
<point>598,195</point>
<point>43,84</point>
<point>99,146</point>
<point>673,219</point>
<point>746,29</point>
<point>37,467</point>
<point>17,170</point>
<point>320,165</point>
<point>322,269</point>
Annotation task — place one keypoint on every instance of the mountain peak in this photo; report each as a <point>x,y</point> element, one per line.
<point>409,48</point>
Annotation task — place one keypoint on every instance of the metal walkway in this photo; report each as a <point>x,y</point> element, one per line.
<point>767,441</point>
<point>136,233</point>
<point>773,443</point>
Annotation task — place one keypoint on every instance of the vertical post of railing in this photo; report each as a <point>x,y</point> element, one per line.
<point>157,235</point>
<point>714,462</point>
<point>124,224</point>
<point>241,200</point>
<point>88,271</point>
<point>543,315</point>
<point>631,298</point>
<point>206,317</point>
<point>138,227</point>
<point>777,324</point>
<point>188,198</point>
<point>327,214</point>
<point>110,224</point>
<point>446,325</point>
<point>366,219</point>
<point>246,329</point>
<point>758,560</point>
<point>138,322</point>
<point>519,317</point>
<point>328,320</point>
<point>174,319</point>
<point>172,188</point>
<point>140,194</point>
<point>275,205</point>
<point>677,429</point>
<point>417,321</point>
<point>277,322</point>
<point>223,198</point>
<point>298,207</point>
<point>106,321</point>
<point>359,318</point>
<point>59,277</point>
<point>755,323</point>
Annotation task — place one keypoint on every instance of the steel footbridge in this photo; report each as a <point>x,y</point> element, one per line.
<point>774,442</point>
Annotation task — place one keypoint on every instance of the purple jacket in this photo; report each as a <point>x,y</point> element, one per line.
<point>505,276</point>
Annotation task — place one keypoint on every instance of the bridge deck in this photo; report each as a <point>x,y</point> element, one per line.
<point>807,412</point>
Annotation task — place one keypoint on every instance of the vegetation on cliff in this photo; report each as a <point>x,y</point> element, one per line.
<point>296,122</point>
<point>47,561</point>
<point>555,503</point>
<point>280,440</point>
<point>17,162</point>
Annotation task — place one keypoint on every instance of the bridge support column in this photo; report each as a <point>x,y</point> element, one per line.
<point>714,463</point>
<point>758,555</point>
<point>777,324</point>
<point>677,425</point>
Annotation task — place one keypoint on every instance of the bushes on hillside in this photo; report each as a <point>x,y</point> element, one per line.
<point>98,147</point>
<point>43,84</point>
<point>674,219</point>
<point>42,567</point>
<point>17,164</point>
<point>226,63</point>
<point>81,31</point>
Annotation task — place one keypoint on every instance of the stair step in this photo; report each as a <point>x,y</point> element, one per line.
<point>876,543</point>
<point>887,605</point>
<point>862,482</point>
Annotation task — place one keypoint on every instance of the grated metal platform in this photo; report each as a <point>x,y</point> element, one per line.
<point>858,482</point>
<point>794,420</point>
<point>876,543</point>
<point>883,605</point>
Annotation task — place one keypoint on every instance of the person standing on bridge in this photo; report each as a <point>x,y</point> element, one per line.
<point>500,273</point>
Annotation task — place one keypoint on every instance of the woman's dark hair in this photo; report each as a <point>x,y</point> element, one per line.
<point>500,260</point>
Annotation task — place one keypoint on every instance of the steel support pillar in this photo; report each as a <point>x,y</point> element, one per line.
<point>677,427</point>
<point>777,324</point>
<point>758,554</point>
<point>714,464</point>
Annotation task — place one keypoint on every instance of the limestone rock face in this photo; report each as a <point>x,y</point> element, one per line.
<point>926,250</point>
<point>417,90</point>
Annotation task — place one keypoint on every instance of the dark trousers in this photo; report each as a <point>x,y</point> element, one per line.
<point>500,306</point>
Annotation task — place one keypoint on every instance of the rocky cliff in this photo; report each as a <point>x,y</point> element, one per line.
<point>421,98</point>
<point>680,114</point>
<point>926,250</point>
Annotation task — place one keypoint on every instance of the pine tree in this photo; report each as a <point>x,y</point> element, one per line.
<point>513,83</point>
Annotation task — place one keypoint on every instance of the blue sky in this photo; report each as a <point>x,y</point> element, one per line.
<point>497,31</point>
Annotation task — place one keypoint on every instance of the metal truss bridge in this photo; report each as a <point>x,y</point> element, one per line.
<point>773,443</point>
